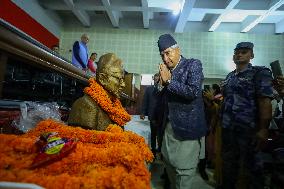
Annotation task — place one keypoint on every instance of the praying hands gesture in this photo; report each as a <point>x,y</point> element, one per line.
<point>165,74</point>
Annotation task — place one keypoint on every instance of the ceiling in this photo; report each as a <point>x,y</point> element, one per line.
<point>252,16</point>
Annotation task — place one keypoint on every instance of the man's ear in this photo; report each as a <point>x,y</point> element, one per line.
<point>252,55</point>
<point>103,79</point>
<point>178,50</point>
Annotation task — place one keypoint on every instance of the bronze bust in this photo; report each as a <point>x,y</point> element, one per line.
<point>91,114</point>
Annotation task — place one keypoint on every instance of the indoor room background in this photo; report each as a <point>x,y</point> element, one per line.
<point>138,48</point>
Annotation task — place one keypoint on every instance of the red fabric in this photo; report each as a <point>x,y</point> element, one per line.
<point>91,66</point>
<point>13,14</point>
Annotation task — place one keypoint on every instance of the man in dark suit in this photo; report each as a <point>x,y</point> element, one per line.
<point>183,138</point>
<point>149,109</point>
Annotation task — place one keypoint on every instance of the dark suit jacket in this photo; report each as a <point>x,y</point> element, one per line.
<point>149,102</point>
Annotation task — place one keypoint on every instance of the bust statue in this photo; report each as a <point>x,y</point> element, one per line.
<point>100,105</point>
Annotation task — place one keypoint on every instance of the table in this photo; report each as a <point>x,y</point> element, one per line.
<point>140,127</point>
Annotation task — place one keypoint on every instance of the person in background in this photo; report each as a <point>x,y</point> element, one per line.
<point>246,115</point>
<point>92,65</point>
<point>80,53</point>
<point>162,119</point>
<point>186,127</point>
<point>55,48</point>
<point>213,101</point>
<point>278,84</point>
<point>212,98</point>
<point>149,109</point>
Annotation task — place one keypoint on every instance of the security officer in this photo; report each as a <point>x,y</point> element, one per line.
<point>246,114</point>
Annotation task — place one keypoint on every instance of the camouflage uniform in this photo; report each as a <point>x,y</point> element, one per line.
<point>239,122</point>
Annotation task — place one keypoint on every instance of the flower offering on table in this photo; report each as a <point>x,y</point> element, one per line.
<point>101,159</point>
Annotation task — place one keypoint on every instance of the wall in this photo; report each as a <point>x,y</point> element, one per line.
<point>138,47</point>
<point>32,19</point>
<point>46,18</point>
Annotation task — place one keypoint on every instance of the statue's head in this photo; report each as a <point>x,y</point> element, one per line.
<point>110,74</point>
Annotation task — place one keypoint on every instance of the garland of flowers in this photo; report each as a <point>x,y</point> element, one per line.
<point>103,178</point>
<point>102,159</point>
<point>113,107</point>
<point>82,160</point>
<point>114,134</point>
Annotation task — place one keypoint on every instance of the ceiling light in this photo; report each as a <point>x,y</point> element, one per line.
<point>176,7</point>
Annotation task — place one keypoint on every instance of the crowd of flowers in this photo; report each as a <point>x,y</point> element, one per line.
<point>101,159</point>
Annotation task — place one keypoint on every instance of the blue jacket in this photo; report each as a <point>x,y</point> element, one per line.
<point>80,55</point>
<point>241,90</point>
<point>185,103</point>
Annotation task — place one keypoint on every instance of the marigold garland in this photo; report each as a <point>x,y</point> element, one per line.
<point>102,159</point>
<point>114,129</point>
<point>112,107</point>
<point>92,136</point>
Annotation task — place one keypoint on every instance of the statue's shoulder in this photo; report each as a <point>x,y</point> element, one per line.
<point>85,101</point>
<point>84,113</point>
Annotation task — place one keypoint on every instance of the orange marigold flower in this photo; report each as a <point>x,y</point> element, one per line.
<point>101,159</point>
<point>114,129</point>
<point>112,107</point>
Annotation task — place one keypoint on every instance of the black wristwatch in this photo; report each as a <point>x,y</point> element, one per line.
<point>168,82</point>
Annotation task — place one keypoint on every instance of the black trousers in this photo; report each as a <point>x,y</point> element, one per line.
<point>239,162</point>
<point>156,135</point>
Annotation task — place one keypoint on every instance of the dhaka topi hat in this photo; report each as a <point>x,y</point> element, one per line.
<point>244,45</point>
<point>165,41</point>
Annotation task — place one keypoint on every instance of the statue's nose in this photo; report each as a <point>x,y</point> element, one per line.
<point>122,84</point>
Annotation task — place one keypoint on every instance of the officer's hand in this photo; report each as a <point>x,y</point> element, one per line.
<point>262,136</point>
<point>142,117</point>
